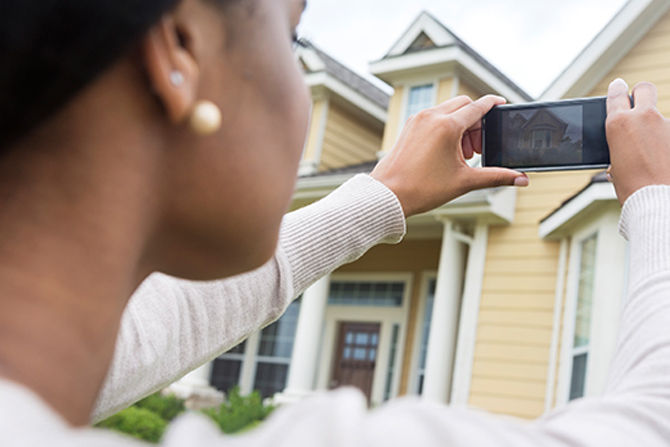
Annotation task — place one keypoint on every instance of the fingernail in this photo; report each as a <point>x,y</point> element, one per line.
<point>521,181</point>
<point>619,81</point>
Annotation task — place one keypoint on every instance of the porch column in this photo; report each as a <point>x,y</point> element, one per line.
<point>444,322</point>
<point>305,357</point>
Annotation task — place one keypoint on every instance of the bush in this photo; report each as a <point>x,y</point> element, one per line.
<point>239,413</point>
<point>137,422</point>
<point>167,407</point>
<point>148,418</point>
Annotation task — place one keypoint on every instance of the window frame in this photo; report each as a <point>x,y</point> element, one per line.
<point>250,359</point>
<point>609,288</point>
<point>407,87</point>
<point>413,382</point>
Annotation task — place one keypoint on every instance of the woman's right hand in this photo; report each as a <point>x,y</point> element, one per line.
<point>639,139</point>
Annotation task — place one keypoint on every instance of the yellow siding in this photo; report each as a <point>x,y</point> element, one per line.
<point>414,257</point>
<point>394,122</point>
<point>347,141</point>
<point>445,90</point>
<point>517,307</point>
<point>649,61</point>
<point>314,136</point>
<point>465,89</point>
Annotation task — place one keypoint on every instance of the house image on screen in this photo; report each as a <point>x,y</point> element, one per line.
<point>537,136</point>
<point>505,300</point>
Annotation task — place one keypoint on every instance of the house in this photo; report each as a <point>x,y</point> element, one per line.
<point>504,299</point>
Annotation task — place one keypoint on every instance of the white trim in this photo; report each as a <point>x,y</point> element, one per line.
<point>556,325</point>
<point>467,326</point>
<point>341,89</point>
<point>386,316</point>
<point>624,31</point>
<point>423,24</point>
<point>608,292</point>
<point>408,86</point>
<point>558,224</point>
<point>413,382</point>
<point>443,59</point>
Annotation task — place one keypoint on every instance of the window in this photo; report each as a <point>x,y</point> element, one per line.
<point>582,336</point>
<point>541,139</point>
<point>227,368</point>
<point>375,294</point>
<point>272,347</point>
<point>274,353</point>
<point>425,332</point>
<point>420,98</point>
<point>390,371</point>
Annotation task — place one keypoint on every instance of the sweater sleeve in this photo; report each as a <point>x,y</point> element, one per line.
<point>172,326</point>
<point>635,410</point>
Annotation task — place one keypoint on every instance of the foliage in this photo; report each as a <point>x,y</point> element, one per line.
<point>149,418</point>
<point>167,407</point>
<point>239,413</point>
<point>137,422</point>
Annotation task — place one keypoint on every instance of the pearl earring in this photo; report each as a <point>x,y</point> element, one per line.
<point>177,78</point>
<point>205,118</point>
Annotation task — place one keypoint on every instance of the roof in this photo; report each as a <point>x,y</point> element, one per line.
<point>329,65</point>
<point>620,35</point>
<point>426,24</point>
<point>600,177</point>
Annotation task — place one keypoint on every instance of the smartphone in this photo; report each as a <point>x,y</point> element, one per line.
<point>547,136</point>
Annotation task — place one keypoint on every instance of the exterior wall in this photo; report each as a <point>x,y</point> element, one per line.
<point>445,90</point>
<point>347,141</point>
<point>465,89</point>
<point>517,307</point>
<point>415,257</point>
<point>394,121</point>
<point>649,61</point>
<point>315,134</point>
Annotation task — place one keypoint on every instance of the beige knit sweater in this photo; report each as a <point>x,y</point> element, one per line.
<point>172,326</point>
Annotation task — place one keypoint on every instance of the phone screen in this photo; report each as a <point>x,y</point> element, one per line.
<point>547,136</point>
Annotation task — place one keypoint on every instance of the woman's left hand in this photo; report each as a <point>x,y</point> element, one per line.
<point>427,166</point>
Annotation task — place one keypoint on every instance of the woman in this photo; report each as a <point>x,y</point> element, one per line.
<point>164,136</point>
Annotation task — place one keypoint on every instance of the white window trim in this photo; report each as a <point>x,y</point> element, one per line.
<point>405,98</point>
<point>387,316</point>
<point>608,292</point>
<point>413,382</point>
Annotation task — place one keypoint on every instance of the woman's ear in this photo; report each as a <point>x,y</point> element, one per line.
<point>172,69</point>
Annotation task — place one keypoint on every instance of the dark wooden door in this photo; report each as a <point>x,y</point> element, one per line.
<point>356,356</point>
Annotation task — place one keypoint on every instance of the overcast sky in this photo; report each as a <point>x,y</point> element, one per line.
<point>531,41</point>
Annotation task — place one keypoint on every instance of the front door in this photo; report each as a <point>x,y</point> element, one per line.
<point>356,356</point>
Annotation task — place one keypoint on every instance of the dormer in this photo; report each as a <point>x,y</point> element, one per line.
<point>348,115</point>
<point>428,65</point>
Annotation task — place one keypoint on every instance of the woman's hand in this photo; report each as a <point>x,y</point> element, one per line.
<point>639,139</point>
<point>427,167</point>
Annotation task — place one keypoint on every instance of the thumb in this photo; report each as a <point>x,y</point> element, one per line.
<point>491,177</point>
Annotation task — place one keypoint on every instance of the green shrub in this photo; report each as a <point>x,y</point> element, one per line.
<point>137,422</point>
<point>148,418</point>
<point>239,413</point>
<point>167,407</point>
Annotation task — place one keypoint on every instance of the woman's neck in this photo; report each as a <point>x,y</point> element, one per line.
<point>75,219</point>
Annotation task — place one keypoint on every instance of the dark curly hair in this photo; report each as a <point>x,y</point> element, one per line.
<point>51,49</point>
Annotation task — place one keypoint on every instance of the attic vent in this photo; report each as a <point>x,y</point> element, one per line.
<point>421,43</point>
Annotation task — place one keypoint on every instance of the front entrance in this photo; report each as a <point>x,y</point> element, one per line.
<point>356,356</point>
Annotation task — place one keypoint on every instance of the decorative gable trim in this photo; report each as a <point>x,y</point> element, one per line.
<point>429,26</point>
<point>609,47</point>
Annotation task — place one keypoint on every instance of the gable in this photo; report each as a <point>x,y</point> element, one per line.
<point>634,22</point>
<point>426,32</point>
<point>649,60</point>
<point>423,42</point>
